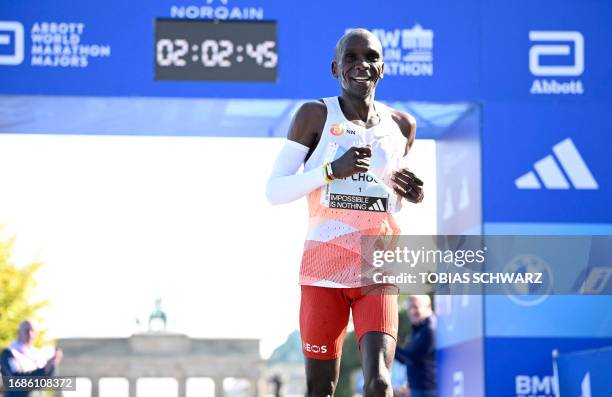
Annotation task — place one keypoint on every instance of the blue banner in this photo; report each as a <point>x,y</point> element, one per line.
<point>461,370</point>
<point>547,163</point>
<point>435,50</point>
<point>540,316</point>
<point>110,48</point>
<point>546,51</point>
<point>523,367</point>
<point>460,319</point>
<point>585,373</point>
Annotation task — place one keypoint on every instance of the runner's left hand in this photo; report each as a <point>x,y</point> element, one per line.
<point>407,185</point>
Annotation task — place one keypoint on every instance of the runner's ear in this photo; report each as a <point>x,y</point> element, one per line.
<point>334,69</point>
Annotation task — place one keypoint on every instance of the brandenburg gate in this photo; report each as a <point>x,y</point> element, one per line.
<point>162,355</point>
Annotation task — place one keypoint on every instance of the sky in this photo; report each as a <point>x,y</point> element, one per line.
<point>119,221</point>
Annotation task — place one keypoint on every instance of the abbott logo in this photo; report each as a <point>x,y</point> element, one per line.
<point>540,50</point>
<point>551,175</point>
<point>559,45</point>
<point>11,43</point>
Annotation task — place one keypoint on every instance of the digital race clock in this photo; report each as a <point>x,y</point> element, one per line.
<point>215,50</point>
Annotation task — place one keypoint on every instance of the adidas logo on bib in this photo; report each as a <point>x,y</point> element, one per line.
<point>377,206</point>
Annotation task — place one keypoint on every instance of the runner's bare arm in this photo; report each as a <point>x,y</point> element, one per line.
<point>307,124</point>
<point>407,124</point>
<point>407,184</point>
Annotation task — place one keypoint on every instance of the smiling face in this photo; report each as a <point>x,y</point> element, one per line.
<point>358,63</point>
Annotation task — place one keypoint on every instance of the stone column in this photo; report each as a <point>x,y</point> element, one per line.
<point>182,386</point>
<point>132,387</point>
<point>218,387</point>
<point>254,388</point>
<point>95,387</point>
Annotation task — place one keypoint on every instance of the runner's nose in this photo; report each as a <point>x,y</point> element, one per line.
<point>363,65</point>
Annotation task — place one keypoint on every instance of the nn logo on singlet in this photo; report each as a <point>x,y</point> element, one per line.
<point>338,129</point>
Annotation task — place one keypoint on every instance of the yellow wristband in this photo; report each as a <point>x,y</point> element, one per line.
<point>328,178</point>
<point>330,171</point>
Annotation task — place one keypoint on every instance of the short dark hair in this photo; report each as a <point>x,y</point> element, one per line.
<point>347,35</point>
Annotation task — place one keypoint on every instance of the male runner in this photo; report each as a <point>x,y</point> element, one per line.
<point>351,148</point>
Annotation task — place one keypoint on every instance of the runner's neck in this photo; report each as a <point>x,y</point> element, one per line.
<point>361,109</point>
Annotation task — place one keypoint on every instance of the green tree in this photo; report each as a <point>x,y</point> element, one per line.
<point>16,286</point>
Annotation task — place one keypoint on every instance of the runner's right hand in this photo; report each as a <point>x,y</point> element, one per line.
<point>354,161</point>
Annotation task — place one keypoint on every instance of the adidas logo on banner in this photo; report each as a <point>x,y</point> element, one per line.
<point>552,176</point>
<point>377,206</point>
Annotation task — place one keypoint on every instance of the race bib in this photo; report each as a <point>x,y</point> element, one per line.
<point>361,192</point>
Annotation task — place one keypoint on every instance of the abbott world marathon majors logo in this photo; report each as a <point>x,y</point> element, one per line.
<point>11,43</point>
<point>556,58</point>
<point>54,44</point>
<point>216,9</point>
<point>407,52</point>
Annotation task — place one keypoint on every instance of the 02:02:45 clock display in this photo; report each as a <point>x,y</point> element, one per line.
<point>214,53</point>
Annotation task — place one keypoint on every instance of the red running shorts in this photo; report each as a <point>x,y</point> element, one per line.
<point>324,315</point>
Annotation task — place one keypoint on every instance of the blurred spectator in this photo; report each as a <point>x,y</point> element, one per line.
<point>22,358</point>
<point>419,354</point>
<point>277,381</point>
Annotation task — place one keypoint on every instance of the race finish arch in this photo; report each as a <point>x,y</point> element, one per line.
<point>516,94</point>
